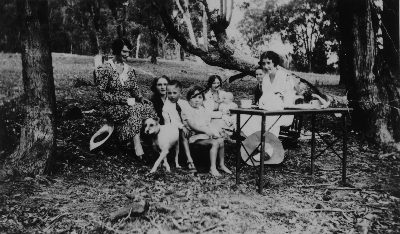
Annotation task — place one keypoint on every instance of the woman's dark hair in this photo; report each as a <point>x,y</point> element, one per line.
<point>192,90</point>
<point>211,80</point>
<point>118,45</point>
<point>153,87</point>
<point>274,57</point>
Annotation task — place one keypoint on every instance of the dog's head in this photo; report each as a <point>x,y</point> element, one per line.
<point>151,126</point>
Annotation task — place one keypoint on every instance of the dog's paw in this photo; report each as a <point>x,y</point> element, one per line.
<point>178,166</point>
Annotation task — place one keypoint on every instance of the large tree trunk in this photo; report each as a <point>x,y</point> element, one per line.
<point>37,143</point>
<point>371,86</point>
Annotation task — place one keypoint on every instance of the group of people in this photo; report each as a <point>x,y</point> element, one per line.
<point>204,116</point>
<point>198,117</point>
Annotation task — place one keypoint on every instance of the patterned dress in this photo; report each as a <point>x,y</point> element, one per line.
<point>114,93</point>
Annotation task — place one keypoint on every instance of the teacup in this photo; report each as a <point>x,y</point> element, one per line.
<point>245,103</point>
<point>316,103</point>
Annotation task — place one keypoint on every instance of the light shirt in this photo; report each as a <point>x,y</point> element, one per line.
<point>171,115</point>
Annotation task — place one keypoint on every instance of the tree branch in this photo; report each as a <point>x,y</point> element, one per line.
<point>224,53</point>
<point>230,16</point>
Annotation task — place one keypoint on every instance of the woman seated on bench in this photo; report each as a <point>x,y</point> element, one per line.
<point>123,103</point>
<point>279,90</point>
<point>198,120</point>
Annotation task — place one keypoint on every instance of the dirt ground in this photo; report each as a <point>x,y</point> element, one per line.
<point>86,187</point>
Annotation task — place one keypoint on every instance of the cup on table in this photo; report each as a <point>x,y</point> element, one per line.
<point>316,103</point>
<point>245,103</point>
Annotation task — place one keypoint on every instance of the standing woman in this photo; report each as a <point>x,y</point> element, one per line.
<point>159,89</point>
<point>123,103</point>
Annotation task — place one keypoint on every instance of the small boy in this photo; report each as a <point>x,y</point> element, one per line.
<point>225,105</point>
<point>172,110</point>
<point>258,90</point>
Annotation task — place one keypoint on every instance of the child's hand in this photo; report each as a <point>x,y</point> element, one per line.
<point>212,132</point>
<point>186,131</point>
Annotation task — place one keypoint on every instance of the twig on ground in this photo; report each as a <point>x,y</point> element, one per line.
<point>212,227</point>
<point>324,210</point>
<point>312,185</point>
<point>54,220</point>
<point>342,188</point>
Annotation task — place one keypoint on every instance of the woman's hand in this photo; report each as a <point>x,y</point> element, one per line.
<point>143,100</point>
<point>131,101</point>
<point>324,103</point>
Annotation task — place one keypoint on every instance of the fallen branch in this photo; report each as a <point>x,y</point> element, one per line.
<point>312,185</point>
<point>342,188</point>
<point>136,209</point>
<point>324,210</point>
<point>383,156</point>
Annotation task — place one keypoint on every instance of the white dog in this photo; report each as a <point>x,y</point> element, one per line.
<point>164,138</point>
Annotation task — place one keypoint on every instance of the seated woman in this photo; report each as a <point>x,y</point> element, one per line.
<point>123,102</point>
<point>198,120</point>
<point>159,89</point>
<point>279,90</point>
<point>212,100</point>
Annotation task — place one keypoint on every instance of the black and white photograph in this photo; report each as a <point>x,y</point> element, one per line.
<point>199,116</point>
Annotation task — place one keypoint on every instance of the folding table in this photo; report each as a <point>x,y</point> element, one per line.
<point>313,112</point>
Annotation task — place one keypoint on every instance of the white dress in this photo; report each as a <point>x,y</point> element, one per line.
<point>275,96</point>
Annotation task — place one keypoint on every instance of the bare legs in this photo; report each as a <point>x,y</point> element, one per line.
<point>138,146</point>
<point>217,149</point>
<point>185,142</point>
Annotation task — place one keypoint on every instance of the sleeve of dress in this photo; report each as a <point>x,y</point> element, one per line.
<point>135,91</point>
<point>103,75</point>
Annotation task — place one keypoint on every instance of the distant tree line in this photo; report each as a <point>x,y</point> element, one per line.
<point>87,27</point>
<point>310,26</point>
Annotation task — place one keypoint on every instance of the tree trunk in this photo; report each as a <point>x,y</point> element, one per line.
<point>205,29</point>
<point>371,86</point>
<point>154,47</point>
<point>186,17</point>
<point>182,53</point>
<point>138,45</point>
<point>37,143</point>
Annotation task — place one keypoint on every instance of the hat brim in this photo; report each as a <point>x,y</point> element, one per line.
<point>252,142</point>
<point>109,128</point>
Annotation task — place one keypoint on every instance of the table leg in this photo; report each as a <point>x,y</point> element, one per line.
<point>262,156</point>
<point>344,159</point>
<point>237,148</point>
<point>312,143</point>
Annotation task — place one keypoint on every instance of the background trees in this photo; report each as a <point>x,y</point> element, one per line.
<point>309,26</point>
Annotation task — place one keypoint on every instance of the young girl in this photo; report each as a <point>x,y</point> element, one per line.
<point>198,120</point>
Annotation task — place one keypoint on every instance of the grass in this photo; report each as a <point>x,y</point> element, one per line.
<point>85,187</point>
